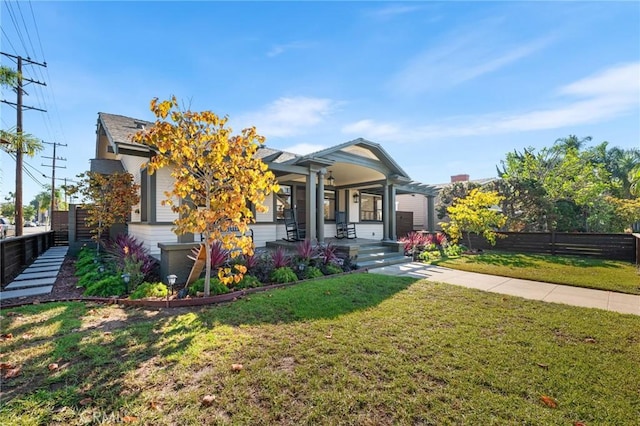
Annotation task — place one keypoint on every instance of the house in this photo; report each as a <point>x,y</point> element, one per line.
<point>357,177</point>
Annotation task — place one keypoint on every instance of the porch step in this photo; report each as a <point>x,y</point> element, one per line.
<point>384,261</point>
<point>377,255</point>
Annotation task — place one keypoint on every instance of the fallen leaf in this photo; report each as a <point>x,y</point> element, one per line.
<point>155,406</point>
<point>53,366</point>
<point>13,372</point>
<point>579,424</point>
<point>329,336</point>
<point>208,400</point>
<point>129,419</point>
<point>7,336</point>
<point>590,340</point>
<point>327,293</point>
<point>105,316</point>
<point>548,401</point>
<point>86,401</point>
<point>545,366</point>
<point>107,333</point>
<point>6,366</point>
<point>236,367</point>
<point>27,336</point>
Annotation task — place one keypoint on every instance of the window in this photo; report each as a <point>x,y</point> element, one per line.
<point>370,207</point>
<point>283,200</point>
<point>329,205</point>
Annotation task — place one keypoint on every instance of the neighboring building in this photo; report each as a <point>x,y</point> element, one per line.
<point>357,177</point>
<point>424,215</point>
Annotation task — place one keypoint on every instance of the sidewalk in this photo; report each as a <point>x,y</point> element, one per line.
<point>535,290</point>
<point>39,277</point>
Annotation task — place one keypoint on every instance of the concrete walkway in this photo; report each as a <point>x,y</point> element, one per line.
<point>535,290</point>
<point>39,277</point>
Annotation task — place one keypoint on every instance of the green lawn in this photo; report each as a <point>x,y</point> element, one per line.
<point>576,271</point>
<point>359,349</point>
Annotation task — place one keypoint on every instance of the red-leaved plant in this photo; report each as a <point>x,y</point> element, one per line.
<point>280,258</point>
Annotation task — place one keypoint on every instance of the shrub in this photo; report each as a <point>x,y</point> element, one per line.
<point>109,286</point>
<point>91,277</point>
<point>454,250</point>
<point>312,272</point>
<point>126,248</point>
<point>280,258</point>
<point>216,288</point>
<point>150,290</point>
<point>429,256</point>
<point>305,251</point>
<point>349,264</point>
<point>248,281</point>
<point>327,253</point>
<point>284,274</point>
<point>263,268</point>
<point>330,269</point>
<point>219,255</point>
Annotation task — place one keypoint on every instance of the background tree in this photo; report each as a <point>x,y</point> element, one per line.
<point>554,186</point>
<point>109,200</point>
<point>452,192</point>
<point>217,177</point>
<point>475,214</point>
<point>634,181</point>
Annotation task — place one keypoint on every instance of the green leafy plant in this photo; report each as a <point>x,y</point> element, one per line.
<point>217,287</point>
<point>312,272</point>
<point>454,250</point>
<point>109,286</point>
<point>248,281</point>
<point>330,269</point>
<point>284,274</point>
<point>150,290</point>
<point>429,256</point>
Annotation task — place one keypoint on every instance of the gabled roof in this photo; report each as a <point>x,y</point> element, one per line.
<point>341,152</point>
<point>119,128</point>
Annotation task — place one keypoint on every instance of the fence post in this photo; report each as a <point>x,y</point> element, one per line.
<point>553,243</point>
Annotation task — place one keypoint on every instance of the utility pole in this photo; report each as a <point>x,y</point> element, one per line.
<point>53,177</point>
<point>19,107</point>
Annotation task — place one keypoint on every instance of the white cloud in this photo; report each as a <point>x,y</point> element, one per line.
<point>394,10</point>
<point>279,49</point>
<point>603,96</point>
<point>289,116</point>
<point>460,59</point>
<point>304,148</point>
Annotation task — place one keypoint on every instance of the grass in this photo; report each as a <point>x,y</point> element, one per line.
<point>600,274</point>
<point>359,349</point>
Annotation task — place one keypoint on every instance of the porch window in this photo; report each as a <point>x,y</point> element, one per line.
<point>329,205</point>
<point>370,207</point>
<point>283,200</point>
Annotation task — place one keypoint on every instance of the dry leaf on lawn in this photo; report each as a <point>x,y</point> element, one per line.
<point>208,400</point>
<point>548,401</point>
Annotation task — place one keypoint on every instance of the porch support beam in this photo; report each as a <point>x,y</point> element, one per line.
<point>392,212</point>
<point>431,214</point>
<point>311,201</point>
<point>385,212</point>
<point>320,206</point>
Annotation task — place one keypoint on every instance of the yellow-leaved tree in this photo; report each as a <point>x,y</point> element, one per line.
<point>216,175</point>
<point>475,213</point>
<point>109,199</point>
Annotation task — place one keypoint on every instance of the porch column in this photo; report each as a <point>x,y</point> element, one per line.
<point>320,206</point>
<point>385,211</point>
<point>392,212</point>
<point>431,213</point>
<point>311,204</point>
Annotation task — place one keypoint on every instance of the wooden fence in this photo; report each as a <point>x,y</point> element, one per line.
<point>603,246</point>
<point>18,252</point>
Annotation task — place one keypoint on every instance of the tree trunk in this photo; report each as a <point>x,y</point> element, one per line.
<point>207,266</point>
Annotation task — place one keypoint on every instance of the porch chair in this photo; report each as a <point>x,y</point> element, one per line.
<point>344,229</point>
<point>294,232</point>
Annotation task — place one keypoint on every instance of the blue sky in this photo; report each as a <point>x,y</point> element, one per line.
<point>445,88</point>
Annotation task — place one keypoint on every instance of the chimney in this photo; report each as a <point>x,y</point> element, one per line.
<point>460,178</point>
